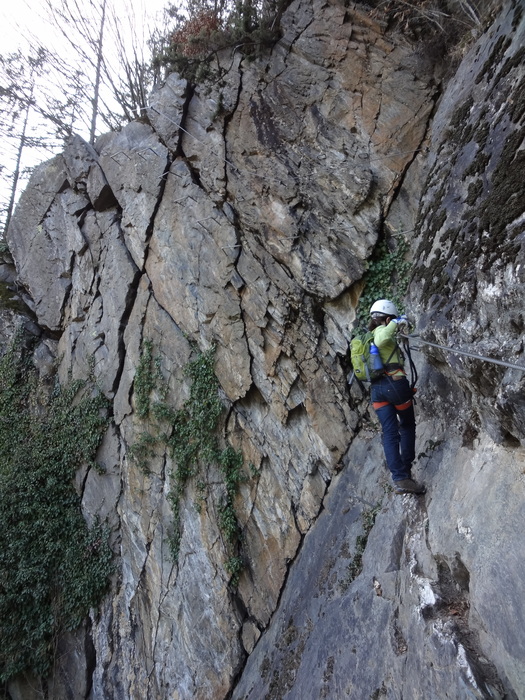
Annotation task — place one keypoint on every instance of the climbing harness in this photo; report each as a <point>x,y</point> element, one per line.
<point>502,363</point>
<point>399,406</point>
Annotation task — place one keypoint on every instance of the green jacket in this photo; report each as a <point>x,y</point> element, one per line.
<point>385,339</point>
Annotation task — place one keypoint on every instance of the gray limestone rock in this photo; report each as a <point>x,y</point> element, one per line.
<point>243,217</point>
<point>384,609</point>
<point>165,110</point>
<point>469,247</point>
<point>134,162</point>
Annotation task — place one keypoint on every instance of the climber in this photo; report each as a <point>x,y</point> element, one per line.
<point>392,397</point>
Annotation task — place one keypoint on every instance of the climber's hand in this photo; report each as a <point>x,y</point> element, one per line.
<point>403,324</point>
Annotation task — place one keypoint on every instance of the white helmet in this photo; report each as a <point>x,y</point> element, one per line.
<point>384,307</point>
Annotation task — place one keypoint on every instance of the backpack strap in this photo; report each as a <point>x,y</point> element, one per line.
<point>396,347</point>
<point>386,364</point>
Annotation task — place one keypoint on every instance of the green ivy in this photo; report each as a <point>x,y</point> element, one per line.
<point>387,277</point>
<point>146,379</point>
<point>234,566</point>
<point>53,568</point>
<point>190,436</point>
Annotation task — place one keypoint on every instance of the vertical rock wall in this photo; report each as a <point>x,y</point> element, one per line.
<point>423,597</point>
<point>241,215</point>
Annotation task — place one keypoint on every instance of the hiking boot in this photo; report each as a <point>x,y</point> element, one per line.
<point>408,486</point>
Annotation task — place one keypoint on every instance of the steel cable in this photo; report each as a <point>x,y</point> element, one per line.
<point>502,363</point>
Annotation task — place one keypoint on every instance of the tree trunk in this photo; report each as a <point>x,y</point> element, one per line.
<point>97,76</point>
<point>16,173</point>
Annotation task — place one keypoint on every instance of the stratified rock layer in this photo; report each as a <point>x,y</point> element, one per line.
<point>242,216</point>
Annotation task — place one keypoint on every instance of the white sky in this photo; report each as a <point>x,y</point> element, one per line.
<point>20,19</point>
<point>17,17</point>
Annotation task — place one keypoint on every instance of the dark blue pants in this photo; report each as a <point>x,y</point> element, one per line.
<point>398,423</point>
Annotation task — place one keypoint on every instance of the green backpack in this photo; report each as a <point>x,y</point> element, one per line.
<point>364,362</point>
<point>361,360</point>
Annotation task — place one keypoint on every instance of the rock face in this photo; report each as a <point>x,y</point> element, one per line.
<point>242,217</point>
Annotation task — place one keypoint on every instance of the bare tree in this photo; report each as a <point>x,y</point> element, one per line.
<point>95,74</point>
<point>114,53</point>
<point>31,121</point>
<point>98,47</point>
<point>18,162</point>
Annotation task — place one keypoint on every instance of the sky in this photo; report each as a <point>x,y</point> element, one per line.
<point>22,19</point>
<point>19,16</point>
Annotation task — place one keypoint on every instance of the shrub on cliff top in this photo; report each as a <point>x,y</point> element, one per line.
<point>418,16</point>
<point>439,28</point>
<point>205,27</point>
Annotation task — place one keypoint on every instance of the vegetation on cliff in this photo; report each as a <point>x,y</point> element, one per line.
<point>204,28</point>
<point>190,434</point>
<point>387,276</point>
<point>53,567</point>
